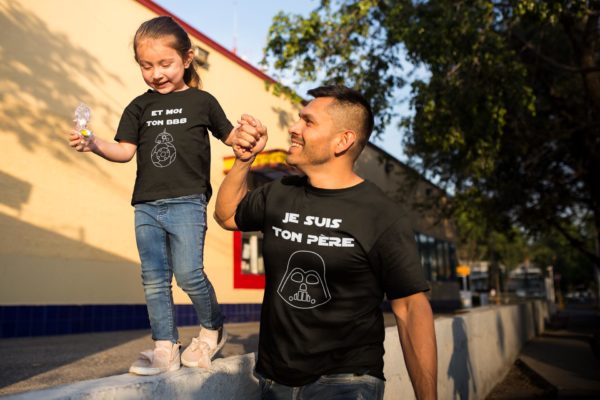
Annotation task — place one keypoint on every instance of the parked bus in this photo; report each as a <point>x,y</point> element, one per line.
<point>527,281</point>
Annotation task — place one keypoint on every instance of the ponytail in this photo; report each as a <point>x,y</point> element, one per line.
<point>191,77</point>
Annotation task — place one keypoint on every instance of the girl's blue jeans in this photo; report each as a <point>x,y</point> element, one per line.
<point>170,239</point>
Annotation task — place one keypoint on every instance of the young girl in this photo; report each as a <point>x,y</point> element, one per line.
<point>167,128</point>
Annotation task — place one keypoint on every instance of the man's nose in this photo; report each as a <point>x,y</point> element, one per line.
<point>293,129</point>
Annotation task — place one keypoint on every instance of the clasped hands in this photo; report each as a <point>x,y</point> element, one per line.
<point>250,138</point>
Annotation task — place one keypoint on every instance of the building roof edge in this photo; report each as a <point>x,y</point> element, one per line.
<point>151,5</point>
<point>405,165</point>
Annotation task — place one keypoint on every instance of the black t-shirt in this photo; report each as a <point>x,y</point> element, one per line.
<point>330,256</point>
<point>171,132</point>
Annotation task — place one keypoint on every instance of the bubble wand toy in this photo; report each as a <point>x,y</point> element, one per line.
<point>82,117</point>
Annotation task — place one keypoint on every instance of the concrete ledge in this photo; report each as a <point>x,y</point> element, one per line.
<point>229,378</point>
<point>475,352</point>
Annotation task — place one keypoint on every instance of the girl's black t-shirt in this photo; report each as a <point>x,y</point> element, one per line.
<point>173,147</point>
<point>330,257</point>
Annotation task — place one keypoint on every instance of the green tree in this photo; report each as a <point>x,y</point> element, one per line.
<point>574,268</point>
<point>509,118</point>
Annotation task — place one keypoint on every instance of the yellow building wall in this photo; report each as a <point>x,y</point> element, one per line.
<point>66,223</point>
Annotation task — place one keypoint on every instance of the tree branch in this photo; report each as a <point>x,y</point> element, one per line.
<point>576,242</point>
<point>552,62</point>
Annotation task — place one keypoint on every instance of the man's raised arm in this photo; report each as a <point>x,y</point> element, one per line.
<point>248,140</point>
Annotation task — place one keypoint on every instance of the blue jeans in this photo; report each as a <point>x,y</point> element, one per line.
<point>170,239</point>
<point>330,387</point>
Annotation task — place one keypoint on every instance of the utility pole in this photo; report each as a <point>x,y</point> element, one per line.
<point>235,26</point>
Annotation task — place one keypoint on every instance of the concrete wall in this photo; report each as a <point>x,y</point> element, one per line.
<point>475,351</point>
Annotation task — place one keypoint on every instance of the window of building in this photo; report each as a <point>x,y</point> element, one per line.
<point>252,259</point>
<point>249,267</point>
<point>437,257</point>
<point>201,56</point>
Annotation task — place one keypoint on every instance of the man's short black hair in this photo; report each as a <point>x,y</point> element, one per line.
<point>346,96</point>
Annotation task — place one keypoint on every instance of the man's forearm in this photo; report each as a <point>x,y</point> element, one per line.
<point>414,319</point>
<point>231,192</point>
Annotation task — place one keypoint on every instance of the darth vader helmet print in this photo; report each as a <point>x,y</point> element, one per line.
<point>304,285</point>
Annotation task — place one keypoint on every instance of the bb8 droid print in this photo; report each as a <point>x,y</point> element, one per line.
<point>164,153</point>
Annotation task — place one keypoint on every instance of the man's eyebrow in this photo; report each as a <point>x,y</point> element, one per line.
<point>306,116</point>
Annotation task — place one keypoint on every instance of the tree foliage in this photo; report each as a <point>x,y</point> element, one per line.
<point>509,119</point>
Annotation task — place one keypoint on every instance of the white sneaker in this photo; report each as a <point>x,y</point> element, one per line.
<point>165,357</point>
<point>203,348</point>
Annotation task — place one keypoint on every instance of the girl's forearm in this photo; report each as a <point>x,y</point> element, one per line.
<point>113,151</point>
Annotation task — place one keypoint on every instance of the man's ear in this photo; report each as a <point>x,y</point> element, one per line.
<point>345,141</point>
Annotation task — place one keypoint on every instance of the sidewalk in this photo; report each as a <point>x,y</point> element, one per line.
<point>559,364</point>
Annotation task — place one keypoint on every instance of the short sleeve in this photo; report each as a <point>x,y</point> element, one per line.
<point>220,126</point>
<point>129,125</point>
<point>250,213</point>
<point>396,261</point>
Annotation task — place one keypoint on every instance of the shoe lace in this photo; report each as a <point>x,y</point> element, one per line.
<point>198,344</point>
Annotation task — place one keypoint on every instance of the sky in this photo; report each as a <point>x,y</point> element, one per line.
<point>244,24</point>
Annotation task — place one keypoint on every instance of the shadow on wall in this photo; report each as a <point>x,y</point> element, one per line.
<point>460,369</point>
<point>26,239</point>
<point>40,265</point>
<point>39,89</point>
<point>501,334</point>
<point>284,119</point>
<point>15,192</point>
<point>65,260</point>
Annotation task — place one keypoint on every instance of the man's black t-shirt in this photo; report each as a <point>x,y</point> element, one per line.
<point>173,148</point>
<point>330,257</point>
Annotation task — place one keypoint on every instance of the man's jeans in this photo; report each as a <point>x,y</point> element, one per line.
<point>170,240</point>
<point>330,387</point>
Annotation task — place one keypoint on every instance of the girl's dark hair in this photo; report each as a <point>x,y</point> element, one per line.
<point>161,27</point>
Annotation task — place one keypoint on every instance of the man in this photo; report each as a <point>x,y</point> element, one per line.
<point>333,246</point>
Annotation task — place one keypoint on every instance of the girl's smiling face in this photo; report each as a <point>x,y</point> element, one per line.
<point>161,65</point>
